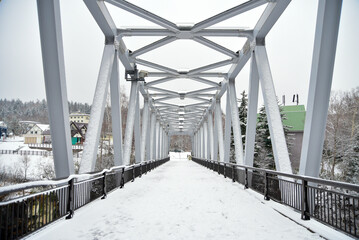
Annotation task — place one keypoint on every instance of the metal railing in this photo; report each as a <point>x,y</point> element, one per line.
<point>47,201</point>
<point>49,146</point>
<point>330,202</point>
<point>27,152</point>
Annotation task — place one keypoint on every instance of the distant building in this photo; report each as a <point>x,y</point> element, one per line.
<point>39,133</point>
<point>295,118</point>
<point>80,117</point>
<point>78,132</point>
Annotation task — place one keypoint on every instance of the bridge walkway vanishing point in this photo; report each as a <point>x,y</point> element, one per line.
<point>183,200</point>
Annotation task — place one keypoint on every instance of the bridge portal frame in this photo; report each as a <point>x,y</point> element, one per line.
<point>194,119</point>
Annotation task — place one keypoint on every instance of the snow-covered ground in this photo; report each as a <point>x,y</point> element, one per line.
<point>182,200</point>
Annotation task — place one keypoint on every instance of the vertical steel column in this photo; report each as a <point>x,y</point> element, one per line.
<point>210,131</point>
<point>227,129</point>
<point>144,129</point>
<point>236,126</point>
<point>208,141</point>
<point>219,129</point>
<point>205,140</point>
<point>158,128</point>
<point>252,113</point>
<point>203,150</point>
<point>89,155</point>
<point>137,131</point>
<point>279,145</point>
<point>215,138</point>
<point>55,85</point>
<point>148,135</point>
<point>192,141</point>
<point>130,122</point>
<point>326,35</point>
<point>160,142</point>
<point>116,113</point>
<point>153,135</point>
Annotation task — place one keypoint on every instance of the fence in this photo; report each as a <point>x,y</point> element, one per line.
<point>333,203</point>
<point>27,152</point>
<point>47,145</point>
<point>23,215</point>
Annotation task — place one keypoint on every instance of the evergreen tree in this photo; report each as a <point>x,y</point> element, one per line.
<point>242,114</point>
<point>264,157</point>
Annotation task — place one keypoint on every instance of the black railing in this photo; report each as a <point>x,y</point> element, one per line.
<point>46,201</point>
<point>333,203</point>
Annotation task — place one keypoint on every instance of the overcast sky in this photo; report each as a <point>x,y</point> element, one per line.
<point>289,46</point>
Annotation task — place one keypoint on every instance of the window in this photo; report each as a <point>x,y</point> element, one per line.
<point>35,132</point>
<point>32,132</point>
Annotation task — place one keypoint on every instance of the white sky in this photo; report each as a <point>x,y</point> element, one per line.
<point>289,46</point>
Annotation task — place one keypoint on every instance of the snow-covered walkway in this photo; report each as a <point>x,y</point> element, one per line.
<point>178,200</point>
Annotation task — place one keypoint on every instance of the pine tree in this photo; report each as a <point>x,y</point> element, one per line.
<point>264,157</point>
<point>242,114</point>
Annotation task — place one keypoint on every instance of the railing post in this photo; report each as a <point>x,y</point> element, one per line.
<point>233,173</point>
<point>266,187</point>
<point>104,186</point>
<point>246,178</point>
<point>305,205</point>
<point>71,202</point>
<point>140,170</point>
<point>133,173</point>
<point>122,183</point>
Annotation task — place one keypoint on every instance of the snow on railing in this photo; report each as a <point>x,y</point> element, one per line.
<point>47,201</point>
<point>331,202</point>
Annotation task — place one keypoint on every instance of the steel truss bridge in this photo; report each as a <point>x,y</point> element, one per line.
<point>195,113</point>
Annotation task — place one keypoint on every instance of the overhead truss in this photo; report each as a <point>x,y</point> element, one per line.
<point>197,112</point>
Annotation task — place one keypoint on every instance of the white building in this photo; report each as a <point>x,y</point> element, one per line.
<point>79,117</point>
<point>37,134</point>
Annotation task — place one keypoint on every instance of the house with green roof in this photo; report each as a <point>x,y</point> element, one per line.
<point>294,119</point>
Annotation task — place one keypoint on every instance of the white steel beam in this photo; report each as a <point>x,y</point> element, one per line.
<point>269,17</point>
<point>215,46</point>
<point>137,131</point>
<point>227,129</point>
<point>237,135</point>
<point>116,113</point>
<point>130,122</point>
<point>89,155</point>
<point>252,113</point>
<point>161,80</point>
<point>210,66</point>
<point>210,131</point>
<point>152,46</point>
<point>105,22</point>
<point>279,145</point>
<point>144,129</point>
<point>153,135</point>
<point>144,14</point>
<point>156,66</point>
<point>228,14</point>
<point>326,35</point>
<point>148,135</point>
<point>55,85</point>
<point>218,115</point>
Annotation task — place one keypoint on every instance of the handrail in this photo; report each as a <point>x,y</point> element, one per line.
<point>49,183</point>
<point>330,202</point>
<point>349,186</point>
<point>23,215</point>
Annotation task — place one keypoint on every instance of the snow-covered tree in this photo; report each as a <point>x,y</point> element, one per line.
<point>242,114</point>
<point>340,152</point>
<point>264,157</point>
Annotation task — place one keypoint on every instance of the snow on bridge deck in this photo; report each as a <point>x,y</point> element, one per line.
<point>179,200</point>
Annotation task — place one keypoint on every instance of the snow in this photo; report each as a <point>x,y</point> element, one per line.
<point>12,143</point>
<point>182,200</point>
